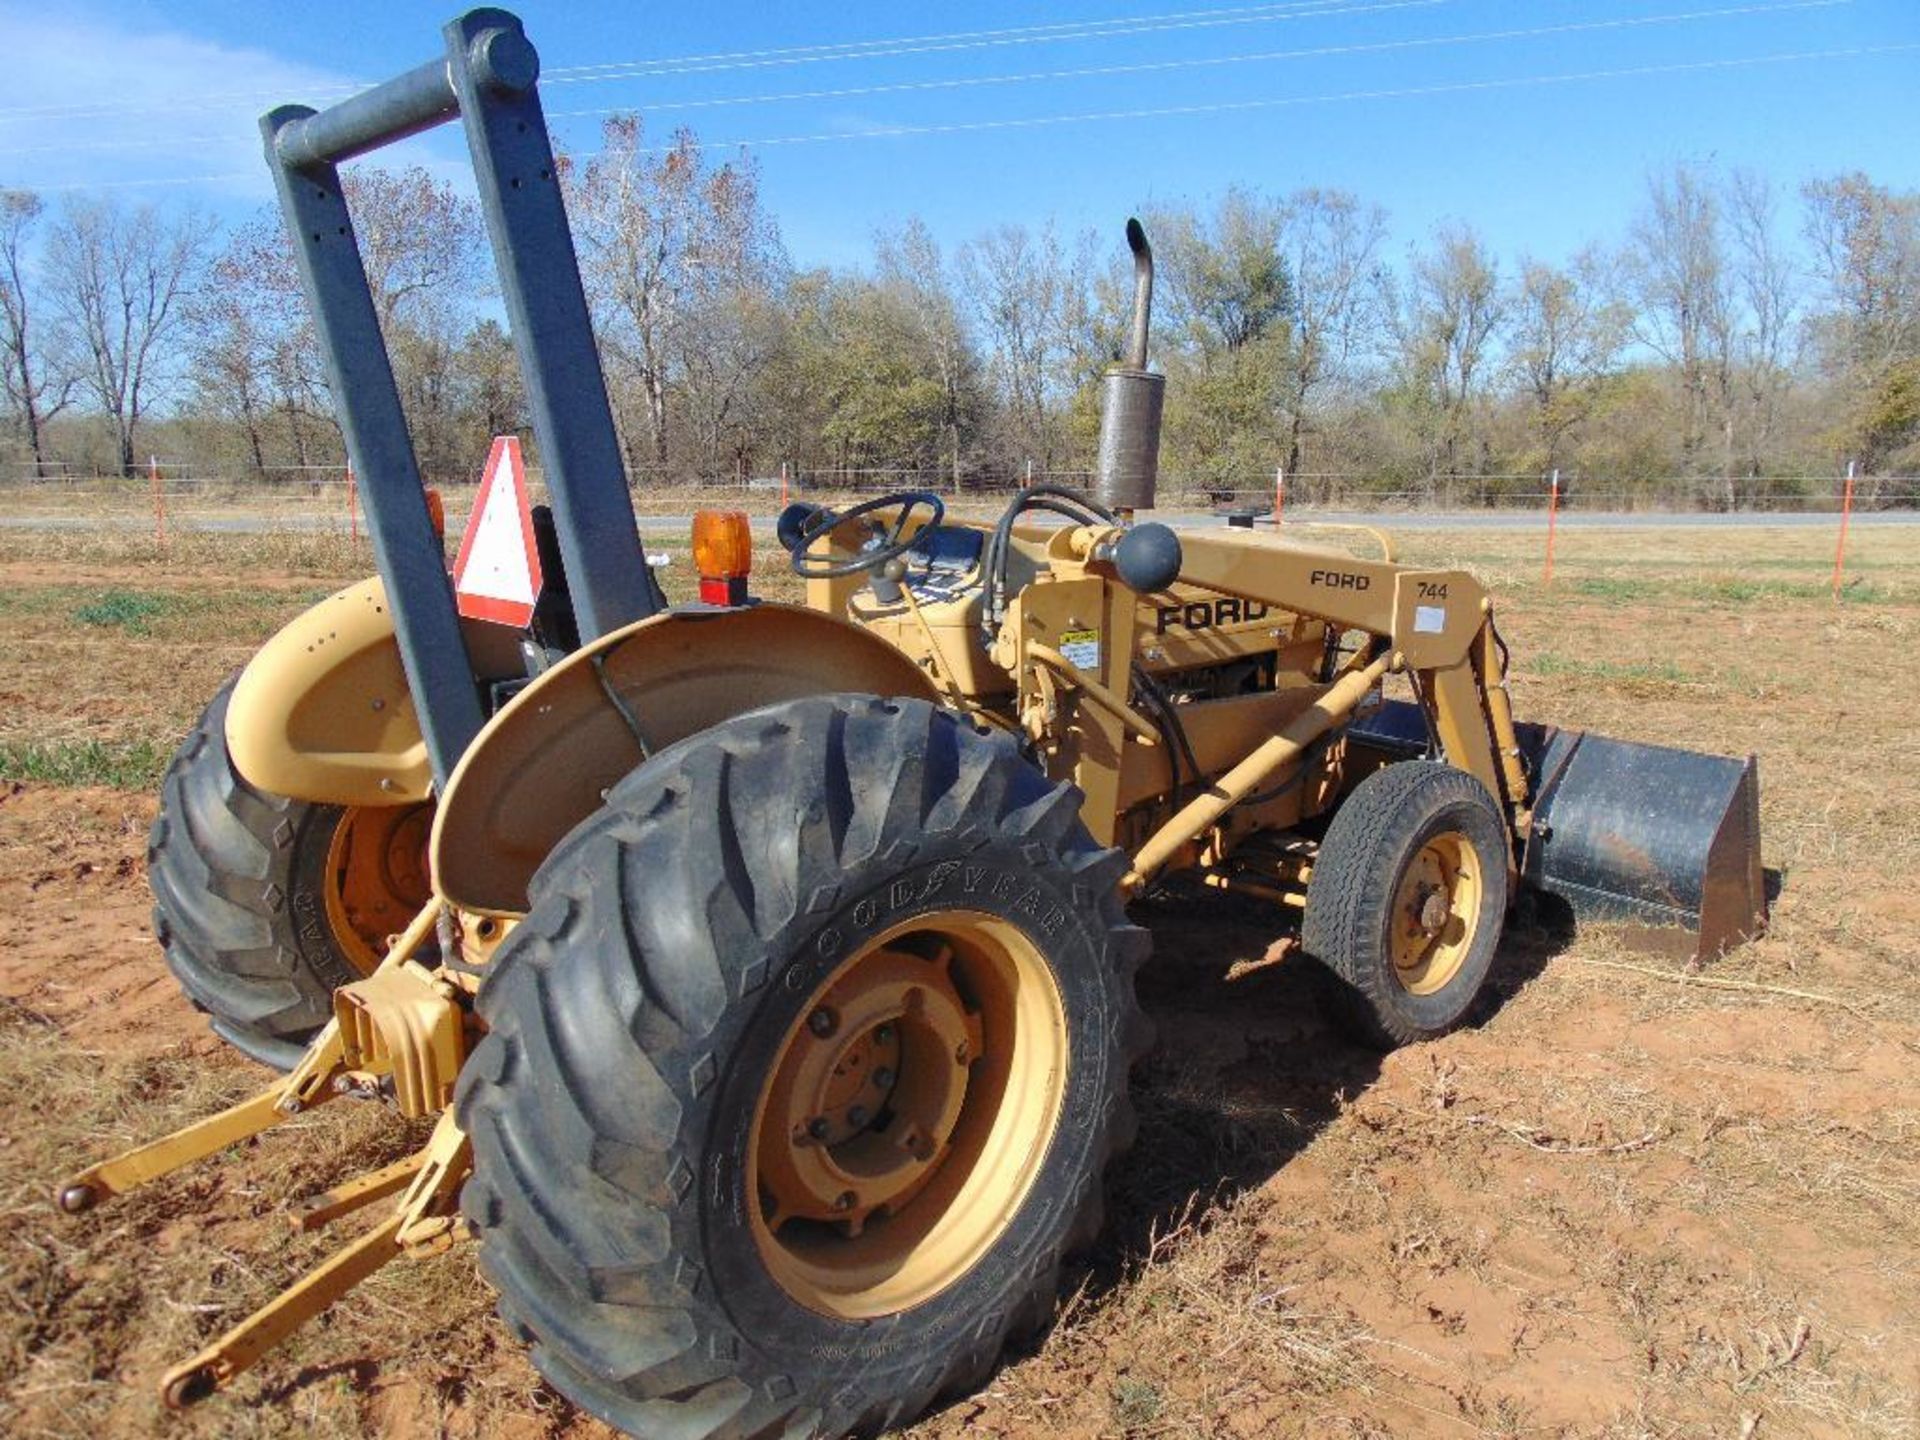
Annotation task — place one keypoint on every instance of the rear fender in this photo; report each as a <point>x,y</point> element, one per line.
<point>322,712</point>
<point>542,764</point>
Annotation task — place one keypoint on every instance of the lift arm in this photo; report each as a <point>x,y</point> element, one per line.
<point>1436,624</point>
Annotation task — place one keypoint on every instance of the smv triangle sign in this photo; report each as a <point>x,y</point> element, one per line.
<point>497,575</point>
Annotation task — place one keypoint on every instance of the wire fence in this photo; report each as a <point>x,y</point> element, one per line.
<point>185,488</point>
<point>321,501</point>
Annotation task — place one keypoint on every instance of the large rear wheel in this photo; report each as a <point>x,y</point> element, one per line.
<point>801,1074</point>
<point>265,905</point>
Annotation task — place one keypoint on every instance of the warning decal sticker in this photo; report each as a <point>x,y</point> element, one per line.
<point>1082,649</point>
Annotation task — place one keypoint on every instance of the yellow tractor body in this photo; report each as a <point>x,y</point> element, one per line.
<point>767,967</point>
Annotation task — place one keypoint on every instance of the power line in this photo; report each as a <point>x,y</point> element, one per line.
<point>1211,61</point>
<point>1226,106</point>
<point>799,55</point>
<point>974,40</point>
<point>1173,111</point>
<point>1294,11</point>
<point>1099,71</point>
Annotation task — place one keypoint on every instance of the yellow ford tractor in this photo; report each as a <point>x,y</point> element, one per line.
<point>768,967</point>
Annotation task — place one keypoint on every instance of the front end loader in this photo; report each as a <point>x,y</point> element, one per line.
<point>766,968</point>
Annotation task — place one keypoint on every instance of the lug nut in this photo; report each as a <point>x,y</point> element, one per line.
<point>846,1201</point>
<point>857,1116</point>
<point>822,1022</point>
<point>818,1127</point>
<point>883,1035</point>
<point>883,1077</point>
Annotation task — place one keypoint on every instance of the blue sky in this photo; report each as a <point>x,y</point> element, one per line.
<point>1406,102</point>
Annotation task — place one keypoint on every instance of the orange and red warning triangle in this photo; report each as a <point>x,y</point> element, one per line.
<point>497,575</point>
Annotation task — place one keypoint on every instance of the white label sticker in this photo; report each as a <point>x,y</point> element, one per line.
<point>1429,619</point>
<point>1082,649</point>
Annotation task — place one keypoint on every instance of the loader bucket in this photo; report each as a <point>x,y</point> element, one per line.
<point>1663,841</point>
<point>1659,839</point>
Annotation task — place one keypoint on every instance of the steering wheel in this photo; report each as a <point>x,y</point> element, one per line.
<point>895,544</point>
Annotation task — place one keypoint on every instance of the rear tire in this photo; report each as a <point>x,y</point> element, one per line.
<point>1407,902</point>
<point>686,947</point>
<point>240,888</point>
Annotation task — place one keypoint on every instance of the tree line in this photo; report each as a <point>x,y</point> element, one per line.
<point>1732,345</point>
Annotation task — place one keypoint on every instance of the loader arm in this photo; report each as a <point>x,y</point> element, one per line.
<point>1437,623</point>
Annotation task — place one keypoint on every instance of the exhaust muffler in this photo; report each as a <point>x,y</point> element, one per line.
<point>1131,399</point>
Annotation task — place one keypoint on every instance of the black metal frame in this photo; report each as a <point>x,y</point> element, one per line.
<point>488,79</point>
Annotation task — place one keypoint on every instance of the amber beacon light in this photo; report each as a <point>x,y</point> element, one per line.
<point>722,555</point>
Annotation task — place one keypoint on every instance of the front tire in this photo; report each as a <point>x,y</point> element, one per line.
<point>703,1202</point>
<point>1407,901</point>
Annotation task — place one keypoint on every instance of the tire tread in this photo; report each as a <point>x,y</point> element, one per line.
<point>883,775</point>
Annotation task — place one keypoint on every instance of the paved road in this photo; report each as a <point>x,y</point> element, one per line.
<point>656,527</point>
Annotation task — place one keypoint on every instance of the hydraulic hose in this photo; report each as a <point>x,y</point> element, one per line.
<point>1058,500</point>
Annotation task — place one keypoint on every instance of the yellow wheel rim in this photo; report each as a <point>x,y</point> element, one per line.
<point>1436,913</point>
<point>376,878</point>
<point>909,1109</point>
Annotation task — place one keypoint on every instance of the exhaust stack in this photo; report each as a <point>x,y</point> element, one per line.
<point>1131,401</point>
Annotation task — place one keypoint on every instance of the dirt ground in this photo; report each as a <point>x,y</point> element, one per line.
<point>1625,1202</point>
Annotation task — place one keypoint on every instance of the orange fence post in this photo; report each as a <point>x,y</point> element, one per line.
<point>353,505</point>
<point>1840,550</point>
<point>1027,484</point>
<point>1279,494</point>
<point>159,502</point>
<point>783,484</point>
<point>1553,519</point>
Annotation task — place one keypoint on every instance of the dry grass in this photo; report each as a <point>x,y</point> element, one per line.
<point>1623,1204</point>
<point>117,1297</point>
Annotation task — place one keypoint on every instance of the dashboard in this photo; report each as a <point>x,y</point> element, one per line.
<point>944,562</point>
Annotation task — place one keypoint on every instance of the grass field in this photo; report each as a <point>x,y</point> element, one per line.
<point>1627,1202</point>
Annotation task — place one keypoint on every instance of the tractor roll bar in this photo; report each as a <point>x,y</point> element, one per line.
<point>416,101</point>
<point>488,79</point>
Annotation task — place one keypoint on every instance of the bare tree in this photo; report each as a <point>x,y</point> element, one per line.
<point>1452,310</point>
<point>726,348</point>
<point>660,237</point>
<point>910,264</point>
<point>248,333</point>
<point>1331,241</point>
<point>1866,243</point>
<point>1680,278</point>
<point>35,375</point>
<point>122,280</point>
<point>1030,298</point>
<point>421,242</point>
<point>1767,289</point>
<point>1565,337</point>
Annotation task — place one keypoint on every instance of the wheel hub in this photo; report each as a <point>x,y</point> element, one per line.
<point>907,1113</point>
<point>869,1091</point>
<point>1436,913</point>
<point>376,877</point>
